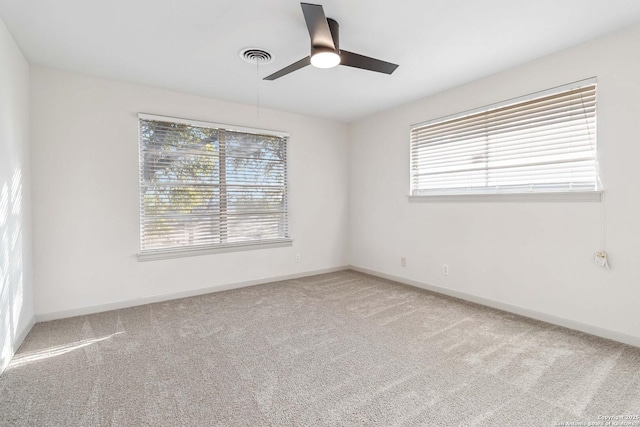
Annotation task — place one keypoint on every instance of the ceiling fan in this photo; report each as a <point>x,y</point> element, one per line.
<point>325,47</point>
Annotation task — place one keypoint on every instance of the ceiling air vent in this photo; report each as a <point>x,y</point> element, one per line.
<point>253,55</point>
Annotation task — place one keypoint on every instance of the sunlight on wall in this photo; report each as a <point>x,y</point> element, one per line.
<point>16,191</point>
<point>7,348</point>
<point>16,290</point>
<point>18,300</point>
<point>5,291</point>
<point>11,263</point>
<point>4,204</point>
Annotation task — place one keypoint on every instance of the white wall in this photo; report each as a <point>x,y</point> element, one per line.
<point>16,296</point>
<point>534,257</point>
<point>85,196</point>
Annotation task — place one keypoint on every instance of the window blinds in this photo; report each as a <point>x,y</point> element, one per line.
<point>202,185</point>
<point>543,144</point>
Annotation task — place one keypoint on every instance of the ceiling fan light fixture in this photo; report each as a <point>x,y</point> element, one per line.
<point>325,59</point>
<point>325,47</point>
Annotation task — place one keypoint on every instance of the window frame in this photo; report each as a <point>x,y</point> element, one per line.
<point>188,251</point>
<point>534,196</point>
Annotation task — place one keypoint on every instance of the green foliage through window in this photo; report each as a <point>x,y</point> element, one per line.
<point>208,186</point>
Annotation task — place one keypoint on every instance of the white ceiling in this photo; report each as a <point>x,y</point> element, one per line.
<point>192,45</point>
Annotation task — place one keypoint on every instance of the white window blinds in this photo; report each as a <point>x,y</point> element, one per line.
<point>543,144</point>
<point>208,186</point>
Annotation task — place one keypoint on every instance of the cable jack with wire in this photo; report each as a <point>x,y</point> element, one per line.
<point>601,258</point>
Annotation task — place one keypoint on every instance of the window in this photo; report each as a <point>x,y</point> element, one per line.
<point>205,186</point>
<point>544,143</point>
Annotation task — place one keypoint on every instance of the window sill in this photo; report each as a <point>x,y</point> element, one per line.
<point>207,250</point>
<point>578,196</point>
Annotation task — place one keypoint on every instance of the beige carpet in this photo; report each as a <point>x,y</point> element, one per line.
<point>335,349</point>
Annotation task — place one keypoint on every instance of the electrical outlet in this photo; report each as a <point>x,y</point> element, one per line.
<point>403,262</point>
<point>298,258</point>
<point>445,269</point>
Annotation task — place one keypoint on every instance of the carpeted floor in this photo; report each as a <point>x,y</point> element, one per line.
<point>335,349</point>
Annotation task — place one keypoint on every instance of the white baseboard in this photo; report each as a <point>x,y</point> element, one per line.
<point>549,318</point>
<point>82,311</point>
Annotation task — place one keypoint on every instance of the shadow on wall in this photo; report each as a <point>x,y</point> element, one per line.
<point>11,264</point>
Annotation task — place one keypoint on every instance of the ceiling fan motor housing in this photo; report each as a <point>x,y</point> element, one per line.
<point>327,55</point>
<point>335,33</point>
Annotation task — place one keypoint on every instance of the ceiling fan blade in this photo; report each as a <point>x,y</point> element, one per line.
<point>290,69</point>
<point>317,25</point>
<point>355,60</point>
